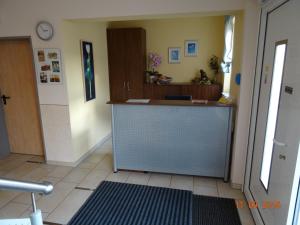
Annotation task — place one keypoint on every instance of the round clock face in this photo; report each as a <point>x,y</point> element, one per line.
<point>44,30</point>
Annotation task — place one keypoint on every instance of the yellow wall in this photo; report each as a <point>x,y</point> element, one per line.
<point>165,33</point>
<point>90,121</point>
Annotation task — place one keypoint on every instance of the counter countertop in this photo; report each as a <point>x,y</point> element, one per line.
<point>172,103</point>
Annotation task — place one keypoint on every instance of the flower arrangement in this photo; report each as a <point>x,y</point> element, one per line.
<point>154,60</point>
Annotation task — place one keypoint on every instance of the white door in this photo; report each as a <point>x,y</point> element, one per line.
<point>277,132</point>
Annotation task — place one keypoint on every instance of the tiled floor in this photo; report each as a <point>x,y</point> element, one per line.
<point>65,200</point>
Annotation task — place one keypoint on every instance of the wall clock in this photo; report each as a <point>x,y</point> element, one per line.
<point>44,30</point>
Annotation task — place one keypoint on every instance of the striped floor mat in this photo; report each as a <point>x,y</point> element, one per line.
<point>128,204</point>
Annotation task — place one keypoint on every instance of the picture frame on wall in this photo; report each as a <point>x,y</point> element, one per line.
<point>48,65</point>
<point>174,55</point>
<point>87,59</point>
<point>191,48</point>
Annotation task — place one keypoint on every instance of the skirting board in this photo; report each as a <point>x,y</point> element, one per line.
<point>83,157</point>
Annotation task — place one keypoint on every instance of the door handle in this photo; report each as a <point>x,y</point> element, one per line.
<point>4,98</point>
<point>283,157</point>
<point>278,143</point>
<point>128,87</point>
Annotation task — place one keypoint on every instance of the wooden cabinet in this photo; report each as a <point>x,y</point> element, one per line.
<point>208,92</point>
<point>126,62</point>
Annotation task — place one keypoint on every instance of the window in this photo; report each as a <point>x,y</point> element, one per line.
<point>228,52</point>
<point>278,67</point>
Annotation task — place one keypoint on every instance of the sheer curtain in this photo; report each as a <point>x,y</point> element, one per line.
<point>228,51</point>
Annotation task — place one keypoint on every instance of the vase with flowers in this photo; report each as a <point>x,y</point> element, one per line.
<point>154,60</point>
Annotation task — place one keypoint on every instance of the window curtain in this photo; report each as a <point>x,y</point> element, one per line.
<point>228,48</point>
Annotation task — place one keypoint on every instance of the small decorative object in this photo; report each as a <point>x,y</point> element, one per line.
<point>174,55</point>
<point>162,79</point>
<point>48,65</point>
<point>88,70</point>
<point>238,78</point>
<point>191,48</point>
<point>202,78</point>
<point>214,64</point>
<point>44,30</point>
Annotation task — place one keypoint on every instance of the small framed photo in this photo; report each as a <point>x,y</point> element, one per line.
<point>174,55</point>
<point>191,48</point>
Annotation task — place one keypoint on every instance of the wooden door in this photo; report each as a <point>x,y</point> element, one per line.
<point>116,64</point>
<point>135,61</point>
<point>17,80</point>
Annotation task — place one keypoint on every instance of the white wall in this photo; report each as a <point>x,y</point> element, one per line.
<point>242,123</point>
<point>90,121</point>
<point>19,18</point>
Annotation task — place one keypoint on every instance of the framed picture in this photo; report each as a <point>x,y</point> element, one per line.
<point>191,48</point>
<point>48,65</point>
<point>88,69</point>
<point>174,55</point>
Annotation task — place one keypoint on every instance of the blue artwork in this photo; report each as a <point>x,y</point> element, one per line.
<point>191,48</point>
<point>238,78</point>
<point>88,70</point>
<point>174,55</point>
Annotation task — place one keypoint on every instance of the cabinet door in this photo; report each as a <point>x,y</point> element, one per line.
<point>135,61</point>
<point>116,63</point>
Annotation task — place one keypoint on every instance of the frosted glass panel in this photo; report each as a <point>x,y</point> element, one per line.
<point>273,111</point>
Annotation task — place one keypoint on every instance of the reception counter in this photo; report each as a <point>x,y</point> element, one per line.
<point>169,136</point>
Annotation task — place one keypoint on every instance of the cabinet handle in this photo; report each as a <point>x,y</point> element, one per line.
<point>128,87</point>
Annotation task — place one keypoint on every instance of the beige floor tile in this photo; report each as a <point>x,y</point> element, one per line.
<point>182,182</point>
<point>204,190</point>
<point>68,207</point>
<point>226,191</point>
<point>25,198</point>
<point>160,180</point>
<point>2,173</point>
<point>7,196</point>
<point>94,178</point>
<point>120,176</point>
<point>76,175</point>
<point>60,171</point>
<point>138,178</point>
<point>94,158</point>
<point>106,163</point>
<point>12,210</point>
<point>206,182</point>
<point>37,174</point>
<point>49,202</point>
<point>52,180</point>
<point>22,170</point>
<point>87,165</point>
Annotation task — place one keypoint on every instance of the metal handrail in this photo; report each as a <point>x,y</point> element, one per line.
<point>16,185</point>
<point>44,188</point>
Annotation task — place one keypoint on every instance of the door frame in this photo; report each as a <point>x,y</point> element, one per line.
<point>35,85</point>
<point>266,9</point>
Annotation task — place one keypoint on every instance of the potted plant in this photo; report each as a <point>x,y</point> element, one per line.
<point>154,60</point>
<point>214,65</point>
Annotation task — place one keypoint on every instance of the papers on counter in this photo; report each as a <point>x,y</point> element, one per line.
<point>138,101</point>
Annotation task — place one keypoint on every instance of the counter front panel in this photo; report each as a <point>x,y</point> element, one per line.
<point>172,139</point>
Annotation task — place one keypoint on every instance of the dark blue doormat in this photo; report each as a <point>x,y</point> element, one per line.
<point>128,204</point>
<point>214,211</point>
